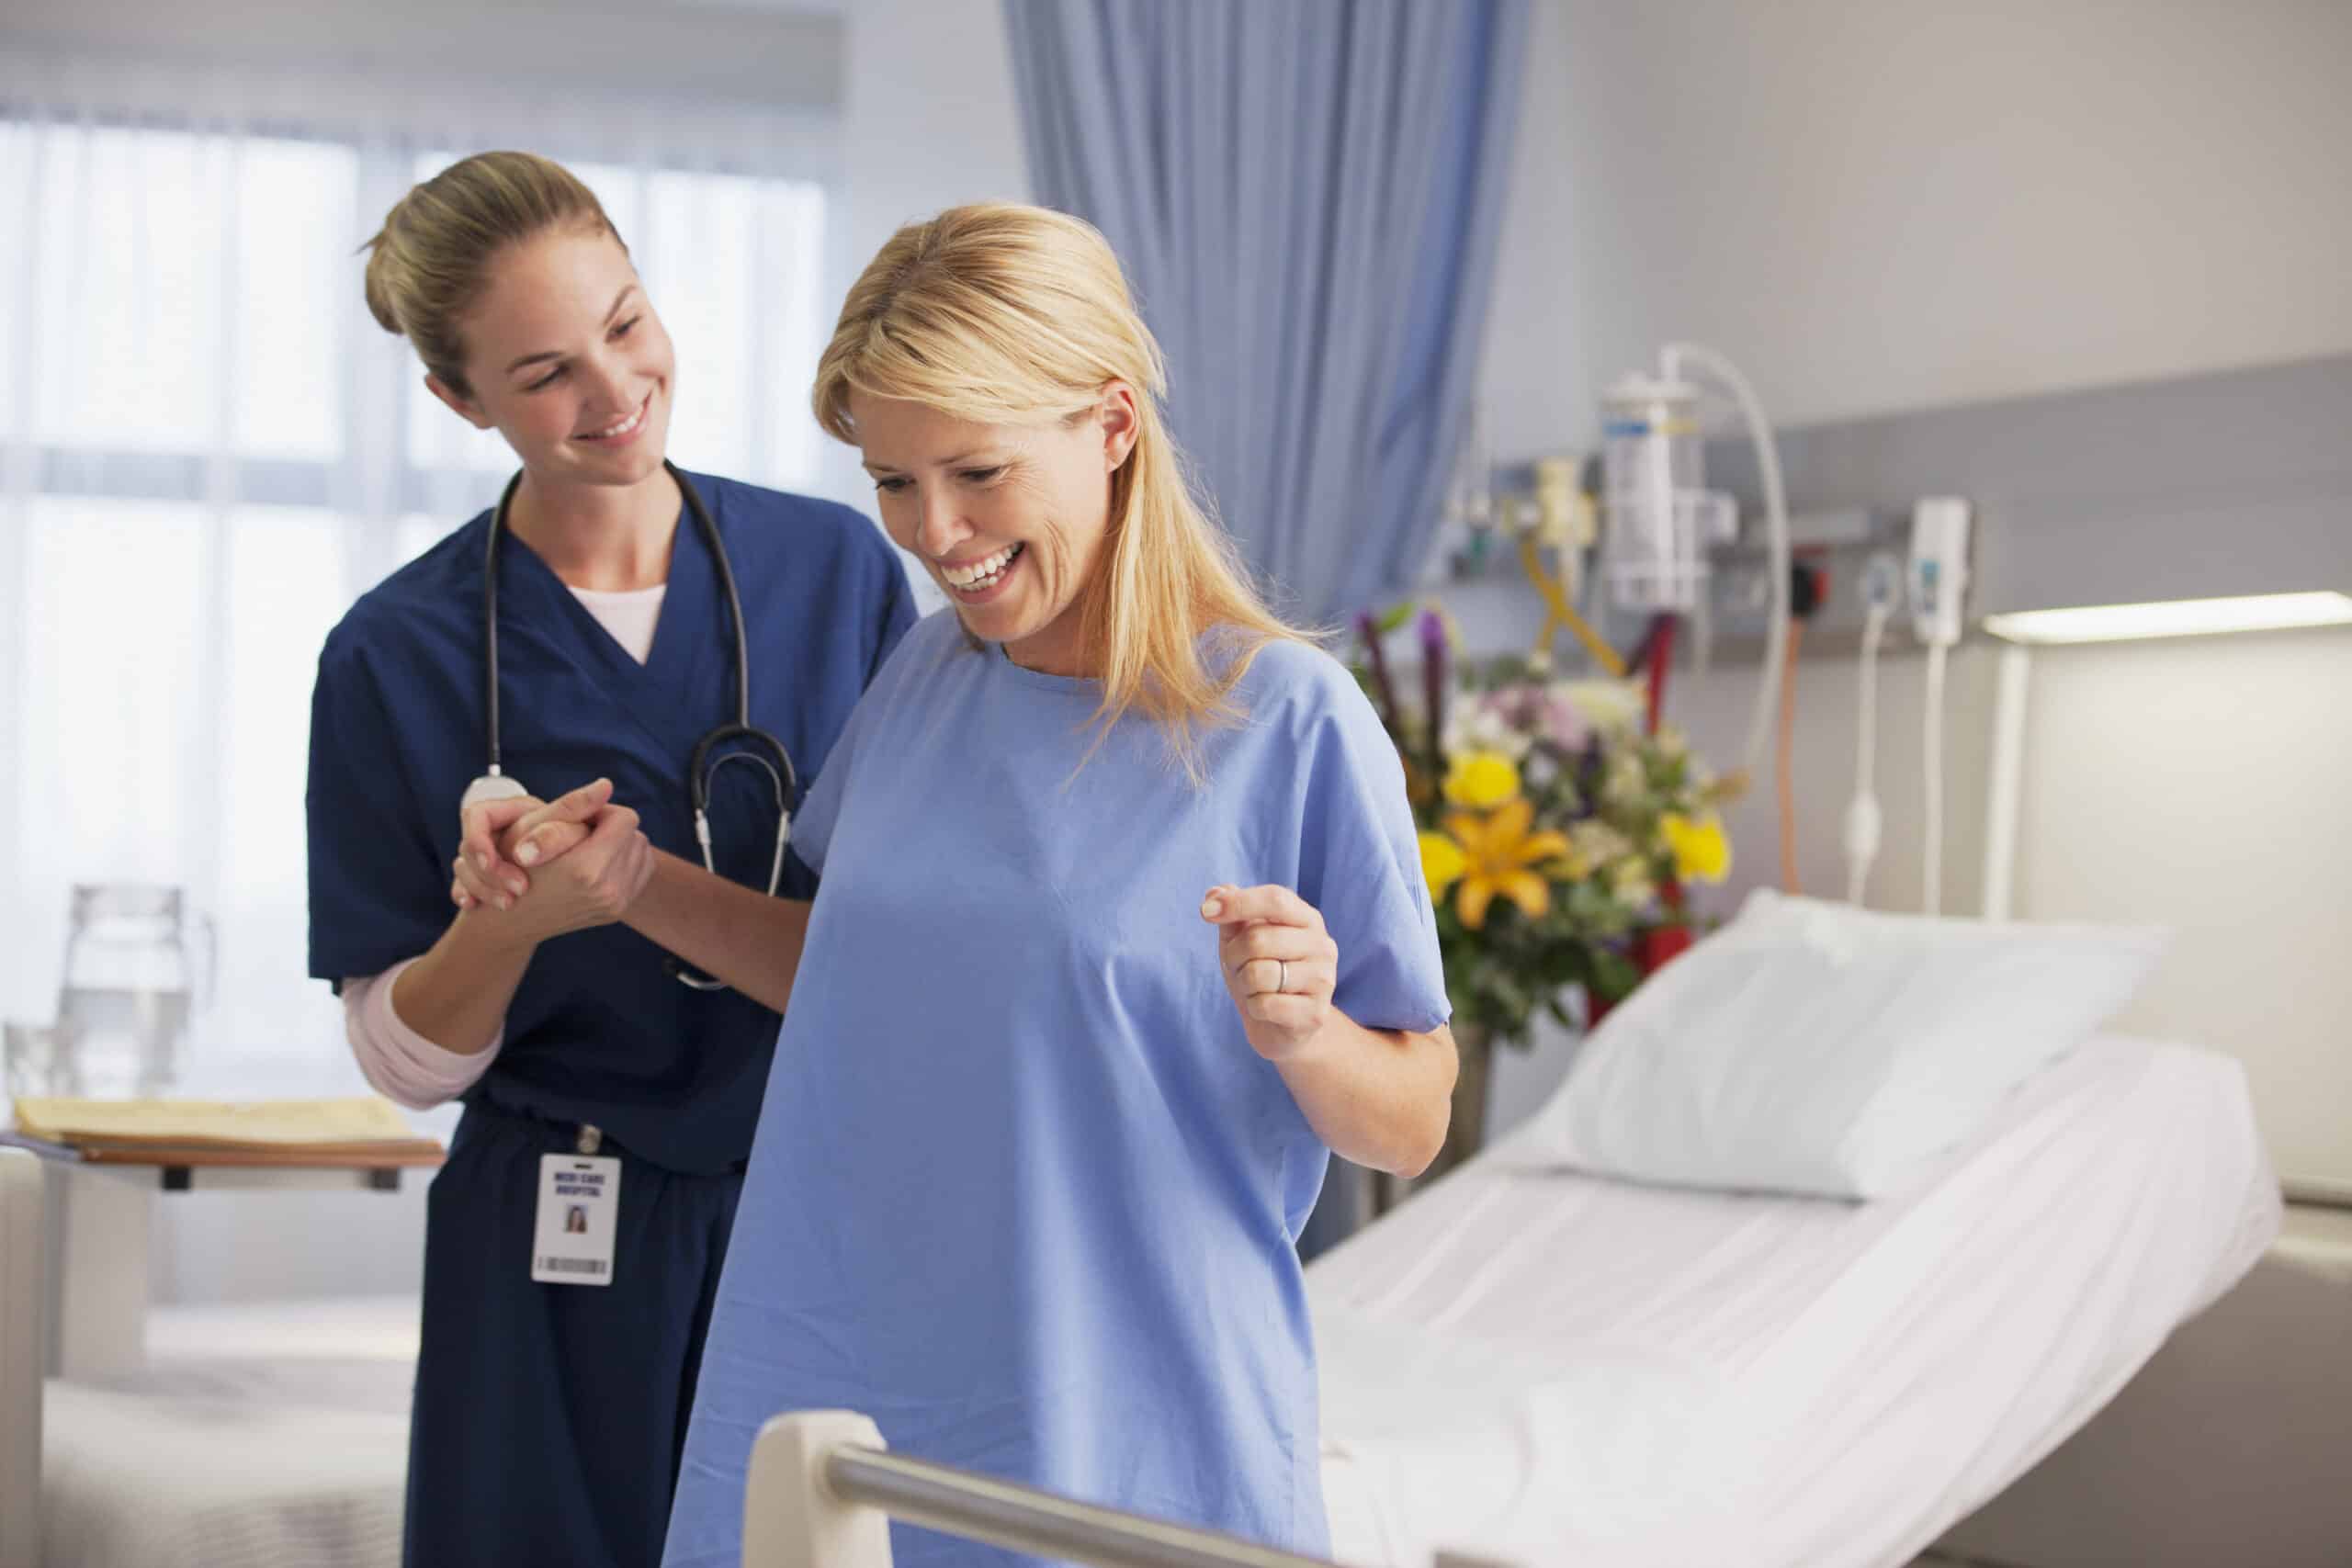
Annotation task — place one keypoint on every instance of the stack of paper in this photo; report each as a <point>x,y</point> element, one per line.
<point>358,1131</point>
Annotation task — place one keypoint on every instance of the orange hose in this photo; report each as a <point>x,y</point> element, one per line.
<point>1784,765</point>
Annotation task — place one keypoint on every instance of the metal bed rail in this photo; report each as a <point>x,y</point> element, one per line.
<point>823,1488</point>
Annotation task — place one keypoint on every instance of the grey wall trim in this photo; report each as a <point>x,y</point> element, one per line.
<point>2235,482</point>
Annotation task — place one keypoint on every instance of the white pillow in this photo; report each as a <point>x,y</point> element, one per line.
<point>1810,1047</point>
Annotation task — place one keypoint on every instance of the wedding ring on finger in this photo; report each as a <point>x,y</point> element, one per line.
<point>1282,980</point>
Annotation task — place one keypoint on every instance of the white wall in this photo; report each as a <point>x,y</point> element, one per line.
<point>1904,205</point>
<point>259,1245</point>
<point>1887,208</point>
<point>928,115</point>
<point>928,122</point>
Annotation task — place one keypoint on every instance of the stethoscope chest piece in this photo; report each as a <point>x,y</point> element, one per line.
<point>489,786</point>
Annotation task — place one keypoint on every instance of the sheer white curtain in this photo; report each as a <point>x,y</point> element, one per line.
<point>208,450</point>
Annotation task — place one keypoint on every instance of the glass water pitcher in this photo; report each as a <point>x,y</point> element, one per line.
<point>138,964</point>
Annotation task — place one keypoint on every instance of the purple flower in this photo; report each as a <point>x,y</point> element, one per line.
<point>1370,632</point>
<point>1434,675</point>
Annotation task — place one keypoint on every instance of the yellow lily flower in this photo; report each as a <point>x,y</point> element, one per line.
<point>1442,862</point>
<point>1481,780</point>
<point>1501,853</point>
<point>1701,850</point>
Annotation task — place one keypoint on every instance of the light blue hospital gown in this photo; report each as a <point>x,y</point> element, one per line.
<point>1022,1190</point>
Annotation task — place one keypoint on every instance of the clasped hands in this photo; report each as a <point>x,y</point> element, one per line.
<point>542,868</point>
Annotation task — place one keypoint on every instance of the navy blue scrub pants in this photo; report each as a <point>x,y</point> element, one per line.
<point>549,1418</point>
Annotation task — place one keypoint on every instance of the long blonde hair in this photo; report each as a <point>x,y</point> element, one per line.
<point>431,260</point>
<point>1003,314</point>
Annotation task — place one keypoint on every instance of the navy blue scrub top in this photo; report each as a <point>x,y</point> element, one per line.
<point>598,1031</point>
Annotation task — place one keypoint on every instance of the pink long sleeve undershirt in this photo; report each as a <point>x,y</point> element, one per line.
<point>398,1062</point>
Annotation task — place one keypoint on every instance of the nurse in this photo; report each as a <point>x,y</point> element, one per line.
<point>1122,930</point>
<point>599,1073</point>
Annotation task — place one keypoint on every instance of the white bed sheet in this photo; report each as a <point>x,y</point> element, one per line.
<point>273,1435</point>
<point>1549,1368</point>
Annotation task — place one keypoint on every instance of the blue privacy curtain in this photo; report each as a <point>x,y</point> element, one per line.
<point>1305,195</point>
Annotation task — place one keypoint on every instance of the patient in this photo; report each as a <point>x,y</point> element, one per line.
<point>1122,931</point>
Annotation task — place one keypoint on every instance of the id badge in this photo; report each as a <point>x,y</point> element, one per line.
<point>579,1199</point>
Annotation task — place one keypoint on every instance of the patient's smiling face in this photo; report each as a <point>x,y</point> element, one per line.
<point>1011,520</point>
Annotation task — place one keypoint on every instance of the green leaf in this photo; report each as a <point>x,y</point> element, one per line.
<point>1615,975</point>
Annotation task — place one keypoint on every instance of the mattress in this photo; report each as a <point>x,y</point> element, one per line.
<point>266,1436</point>
<point>1541,1366</point>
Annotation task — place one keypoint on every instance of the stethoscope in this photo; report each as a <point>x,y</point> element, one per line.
<point>496,784</point>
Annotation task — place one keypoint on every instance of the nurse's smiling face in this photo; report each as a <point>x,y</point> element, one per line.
<point>1011,520</point>
<point>567,360</point>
